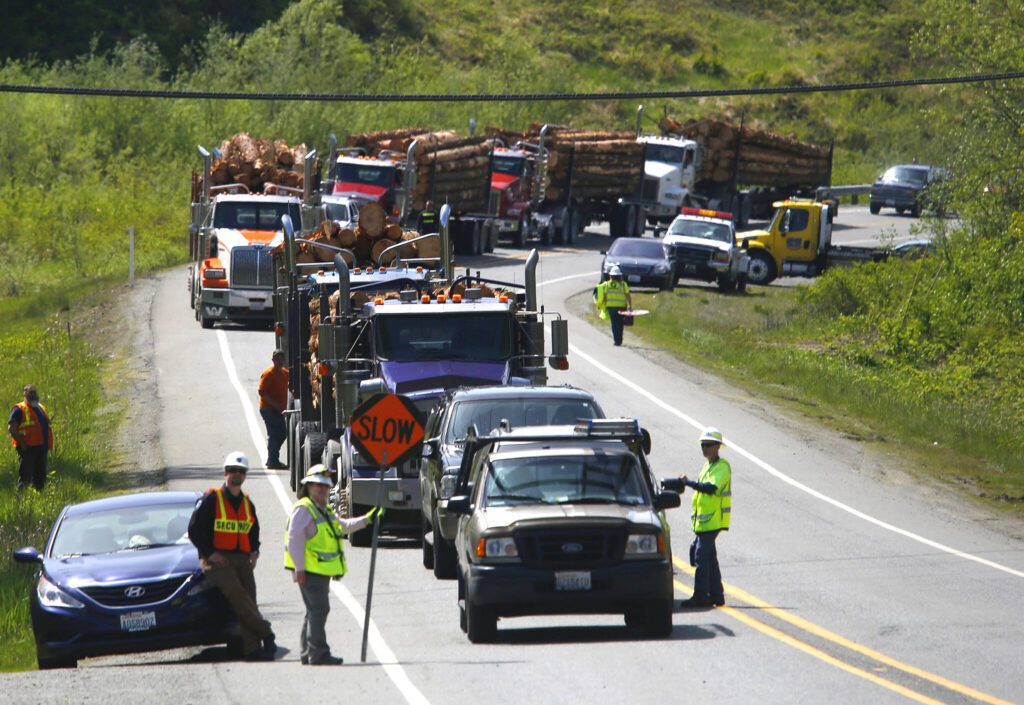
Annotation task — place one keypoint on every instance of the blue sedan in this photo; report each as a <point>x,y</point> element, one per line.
<point>119,575</point>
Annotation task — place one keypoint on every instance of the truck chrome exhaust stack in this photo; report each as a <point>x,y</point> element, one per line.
<point>446,242</point>
<point>531,280</point>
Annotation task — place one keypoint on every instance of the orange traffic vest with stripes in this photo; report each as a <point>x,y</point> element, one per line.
<point>30,428</point>
<point>231,526</point>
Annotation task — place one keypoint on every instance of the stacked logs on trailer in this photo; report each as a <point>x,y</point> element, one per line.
<point>254,163</point>
<point>450,168</point>
<point>765,158</point>
<point>604,164</point>
<point>356,301</point>
<point>368,242</point>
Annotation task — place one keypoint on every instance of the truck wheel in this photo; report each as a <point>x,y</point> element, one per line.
<point>519,235</point>
<point>481,622</point>
<point>915,210</point>
<point>761,269</point>
<point>313,450</point>
<point>640,221</point>
<point>205,322</point>
<point>546,234</point>
<point>875,208</point>
<point>490,236</point>
<point>299,469</point>
<point>670,282</point>
<point>445,562</point>
<point>577,225</point>
<point>428,550</point>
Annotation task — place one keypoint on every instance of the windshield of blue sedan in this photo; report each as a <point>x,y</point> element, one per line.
<point>124,528</point>
<point>484,337</point>
<point>598,478</point>
<point>487,414</point>
<point>635,247</point>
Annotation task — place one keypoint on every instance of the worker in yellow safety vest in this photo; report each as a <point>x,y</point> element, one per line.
<point>315,553</point>
<point>712,507</point>
<point>612,298</point>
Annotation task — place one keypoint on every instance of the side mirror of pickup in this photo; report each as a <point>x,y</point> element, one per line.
<point>431,448</point>
<point>460,504</point>
<point>663,500</point>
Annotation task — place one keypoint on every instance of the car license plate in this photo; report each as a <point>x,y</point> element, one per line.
<point>137,621</point>
<point>257,304</point>
<point>890,202</point>
<point>633,278</point>
<point>574,580</point>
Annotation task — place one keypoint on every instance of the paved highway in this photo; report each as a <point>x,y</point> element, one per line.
<point>846,579</point>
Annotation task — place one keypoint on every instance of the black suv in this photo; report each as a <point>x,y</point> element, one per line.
<point>905,187</point>
<point>562,520</point>
<point>484,408</point>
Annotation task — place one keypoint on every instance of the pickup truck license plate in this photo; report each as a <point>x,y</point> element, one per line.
<point>137,621</point>
<point>890,202</point>
<point>633,278</point>
<point>257,304</point>
<point>574,580</point>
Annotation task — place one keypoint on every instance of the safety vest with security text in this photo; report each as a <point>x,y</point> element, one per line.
<point>325,550</point>
<point>712,511</point>
<point>31,427</point>
<point>231,526</point>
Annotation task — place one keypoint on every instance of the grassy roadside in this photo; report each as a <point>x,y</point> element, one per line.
<point>59,349</point>
<point>767,342</point>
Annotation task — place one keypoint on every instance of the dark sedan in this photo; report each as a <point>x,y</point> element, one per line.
<point>904,187</point>
<point>643,262</point>
<point>119,575</point>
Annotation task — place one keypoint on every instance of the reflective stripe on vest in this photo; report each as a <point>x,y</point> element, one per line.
<point>612,294</point>
<point>711,512</point>
<point>231,527</point>
<point>325,550</point>
<point>31,428</point>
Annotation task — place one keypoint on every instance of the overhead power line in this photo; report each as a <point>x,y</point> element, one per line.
<point>506,97</point>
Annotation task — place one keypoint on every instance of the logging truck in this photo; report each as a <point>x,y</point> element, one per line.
<point>413,329</point>
<point>231,233</point>
<point>798,243</point>
<point>741,170</point>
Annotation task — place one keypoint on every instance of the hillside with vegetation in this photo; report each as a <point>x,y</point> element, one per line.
<point>942,334</point>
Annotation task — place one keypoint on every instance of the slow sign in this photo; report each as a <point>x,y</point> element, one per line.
<point>387,429</point>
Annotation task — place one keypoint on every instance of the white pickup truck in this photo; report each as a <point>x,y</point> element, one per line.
<point>703,246</point>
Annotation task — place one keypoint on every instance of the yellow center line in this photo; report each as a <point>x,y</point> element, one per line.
<point>810,627</point>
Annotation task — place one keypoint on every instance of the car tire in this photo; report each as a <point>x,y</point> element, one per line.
<point>481,621</point>
<point>47,663</point>
<point>428,549</point>
<point>670,283</point>
<point>446,565</point>
<point>761,269</point>
<point>874,208</point>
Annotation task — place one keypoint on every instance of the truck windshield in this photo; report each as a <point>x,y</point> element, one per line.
<point>906,174</point>
<point>599,478</point>
<point>512,166</point>
<point>341,211</point>
<point>371,174</point>
<point>663,153</point>
<point>242,215</point>
<point>702,229</point>
<point>486,414</point>
<point>444,336</point>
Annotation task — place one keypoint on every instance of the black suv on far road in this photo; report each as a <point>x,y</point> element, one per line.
<point>904,187</point>
<point>445,433</point>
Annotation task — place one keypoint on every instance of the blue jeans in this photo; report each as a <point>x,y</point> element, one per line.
<point>615,314</point>
<point>277,431</point>
<point>707,584</point>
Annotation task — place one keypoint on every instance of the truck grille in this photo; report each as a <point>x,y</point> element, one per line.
<point>568,548</point>
<point>131,594</point>
<point>650,188</point>
<point>251,267</point>
<point>692,254</point>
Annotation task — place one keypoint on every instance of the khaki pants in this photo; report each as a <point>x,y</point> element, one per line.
<point>239,587</point>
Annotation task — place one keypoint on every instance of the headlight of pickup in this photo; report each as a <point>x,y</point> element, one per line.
<point>661,267</point>
<point>720,257</point>
<point>645,545</point>
<point>497,548</point>
<point>52,596</point>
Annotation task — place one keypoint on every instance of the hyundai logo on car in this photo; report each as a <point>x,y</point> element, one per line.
<point>571,548</point>
<point>134,591</point>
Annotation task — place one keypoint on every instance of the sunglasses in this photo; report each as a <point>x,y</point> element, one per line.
<point>234,470</point>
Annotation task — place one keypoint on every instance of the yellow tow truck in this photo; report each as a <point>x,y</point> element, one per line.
<point>798,243</point>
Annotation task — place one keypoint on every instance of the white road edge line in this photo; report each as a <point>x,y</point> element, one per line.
<point>787,479</point>
<point>384,654</point>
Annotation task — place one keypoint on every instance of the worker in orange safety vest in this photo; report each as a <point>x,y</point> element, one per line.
<point>32,437</point>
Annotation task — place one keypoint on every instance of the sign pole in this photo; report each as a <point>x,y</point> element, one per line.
<point>373,554</point>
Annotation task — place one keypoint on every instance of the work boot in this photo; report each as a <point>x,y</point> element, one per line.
<point>696,603</point>
<point>328,660</point>
<point>258,655</point>
<point>276,465</point>
<point>269,645</point>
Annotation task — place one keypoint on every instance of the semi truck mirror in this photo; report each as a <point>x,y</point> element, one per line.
<point>446,213</point>
<point>559,337</point>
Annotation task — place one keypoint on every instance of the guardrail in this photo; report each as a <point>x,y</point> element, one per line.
<point>854,192</point>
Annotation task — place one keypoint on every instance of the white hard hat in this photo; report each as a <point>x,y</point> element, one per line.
<point>615,271</point>
<point>319,475</point>
<point>236,459</point>
<point>711,435</point>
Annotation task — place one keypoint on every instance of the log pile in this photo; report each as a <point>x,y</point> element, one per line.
<point>604,164</point>
<point>765,158</point>
<point>254,163</point>
<point>450,168</point>
<point>367,241</point>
